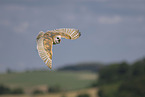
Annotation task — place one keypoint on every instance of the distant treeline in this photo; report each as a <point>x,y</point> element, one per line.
<point>94,67</point>
<point>122,80</point>
<point>6,90</point>
<point>51,89</point>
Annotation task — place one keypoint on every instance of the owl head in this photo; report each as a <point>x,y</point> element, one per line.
<point>57,39</point>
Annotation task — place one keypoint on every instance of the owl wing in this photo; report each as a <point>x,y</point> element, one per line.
<point>67,33</point>
<point>44,47</point>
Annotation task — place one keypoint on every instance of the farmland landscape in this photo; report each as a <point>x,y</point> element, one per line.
<point>70,83</point>
<point>115,79</point>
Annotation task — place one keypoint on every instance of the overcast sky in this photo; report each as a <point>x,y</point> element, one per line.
<point>112,31</point>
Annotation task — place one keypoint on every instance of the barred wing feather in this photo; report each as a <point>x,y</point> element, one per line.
<point>45,55</point>
<point>68,33</point>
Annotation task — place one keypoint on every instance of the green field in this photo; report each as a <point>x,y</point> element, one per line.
<point>66,80</point>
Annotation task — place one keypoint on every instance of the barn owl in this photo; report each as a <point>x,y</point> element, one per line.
<point>45,41</point>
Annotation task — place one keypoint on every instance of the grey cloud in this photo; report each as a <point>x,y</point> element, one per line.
<point>21,28</point>
<point>110,20</point>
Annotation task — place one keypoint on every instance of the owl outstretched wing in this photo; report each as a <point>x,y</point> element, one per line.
<point>67,33</point>
<point>44,47</point>
<point>45,42</point>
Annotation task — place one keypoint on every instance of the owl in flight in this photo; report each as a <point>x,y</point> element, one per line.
<point>46,40</point>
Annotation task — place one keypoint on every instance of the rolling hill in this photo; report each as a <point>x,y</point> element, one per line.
<point>94,67</point>
<point>66,80</point>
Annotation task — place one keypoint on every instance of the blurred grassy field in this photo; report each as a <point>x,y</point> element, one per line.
<point>42,79</point>
<point>91,91</point>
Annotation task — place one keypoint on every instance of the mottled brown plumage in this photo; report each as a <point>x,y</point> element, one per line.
<point>46,40</point>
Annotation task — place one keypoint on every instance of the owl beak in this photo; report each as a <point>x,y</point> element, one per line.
<point>59,40</point>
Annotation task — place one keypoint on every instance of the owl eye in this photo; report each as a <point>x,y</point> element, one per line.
<point>57,37</point>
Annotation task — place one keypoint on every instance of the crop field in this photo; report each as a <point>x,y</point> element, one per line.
<point>91,91</point>
<point>67,80</point>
